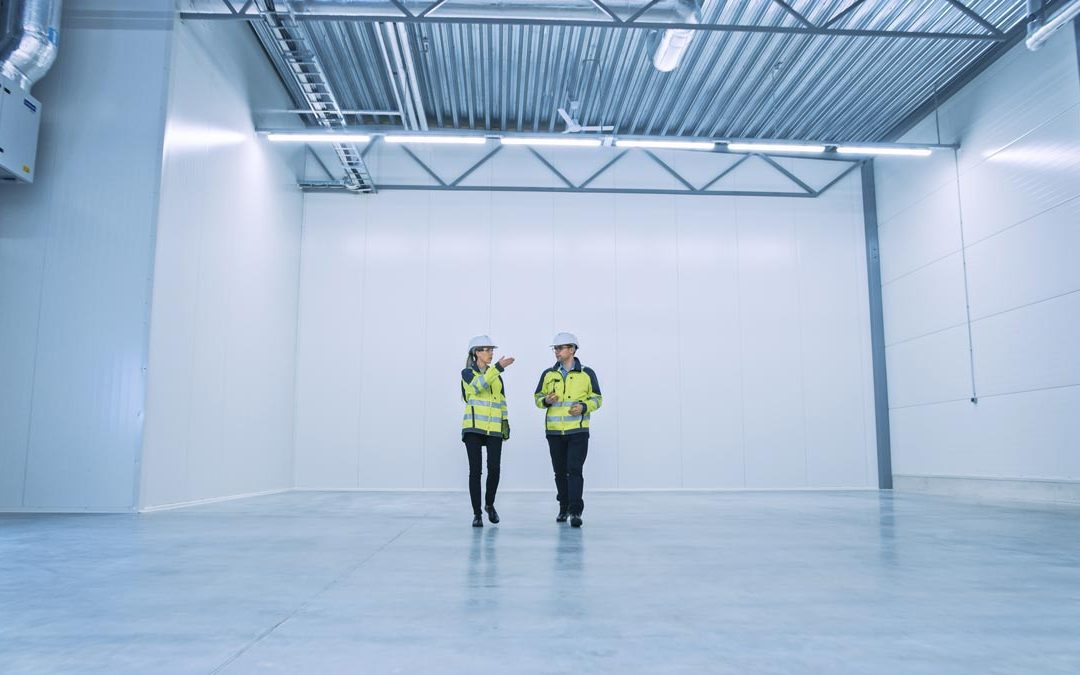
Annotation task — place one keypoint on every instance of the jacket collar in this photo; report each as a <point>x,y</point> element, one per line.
<point>577,365</point>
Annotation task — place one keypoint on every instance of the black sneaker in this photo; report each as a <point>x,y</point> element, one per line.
<point>493,515</point>
<point>575,520</point>
<point>563,515</point>
<point>477,521</point>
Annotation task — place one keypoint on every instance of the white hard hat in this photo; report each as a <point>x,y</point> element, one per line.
<point>564,339</point>
<point>481,341</point>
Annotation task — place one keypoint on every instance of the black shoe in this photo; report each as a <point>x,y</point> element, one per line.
<point>493,515</point>
<point>575,520</point>
<point>563,515</point>
<point>477,521</point>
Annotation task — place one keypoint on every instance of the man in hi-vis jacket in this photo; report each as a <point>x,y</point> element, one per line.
<point>570,393</point>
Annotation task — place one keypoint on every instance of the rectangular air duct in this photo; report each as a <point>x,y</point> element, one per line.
<point>29,33</point>
<point>19,121</point>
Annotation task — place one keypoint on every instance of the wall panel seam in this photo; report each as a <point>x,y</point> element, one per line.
<point>1026,305</point>
<point>959,324</point>
<point>920,268</point>
<point>1000,394</point>
<point>1052,207</point>
<point>1000,149</point>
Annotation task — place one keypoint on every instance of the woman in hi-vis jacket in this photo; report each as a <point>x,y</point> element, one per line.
<point>484,420</point>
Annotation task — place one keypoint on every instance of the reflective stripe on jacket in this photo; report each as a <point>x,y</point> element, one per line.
<point>579,386</point>
<point>485,403</point>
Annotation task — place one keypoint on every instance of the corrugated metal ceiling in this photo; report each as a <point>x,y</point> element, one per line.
<point>513,78</point>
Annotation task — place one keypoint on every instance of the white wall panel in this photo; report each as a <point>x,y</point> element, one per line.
<point>774,413</point>
<point>585,238</point>
<point>926,231</point>
<point>905,182</point>
<point>390,428</point>
<point>832,357</point>
<point>647,312</point>
<point>76,254</point>
<point>1002,437</point>
<point>329,342</point>
<point>710,349</point>
<point>459,304</point>
<point>930,369</point>
<point>927,300</point>
<point>1035,173</point>
<point>223,325</point>
<point>1019,181</point>
<point>1033,347</point>
<point>1032,261</point>
<point>1011,98</point>
<point>523,295</point>
<point>698,315</point>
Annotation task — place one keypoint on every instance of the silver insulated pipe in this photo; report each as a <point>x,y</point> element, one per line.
<point>29,39</point>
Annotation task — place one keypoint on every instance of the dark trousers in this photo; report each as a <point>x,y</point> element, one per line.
<point>567,459</point>
<point>473,443</point>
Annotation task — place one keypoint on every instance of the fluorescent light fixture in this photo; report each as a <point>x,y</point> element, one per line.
<point>552,140</point>
<point>286,137</point>
<point>875,150</point>
<point>774,147</point>
<point>670,51</point>
<point>663,144</point>
<point>435,139</point>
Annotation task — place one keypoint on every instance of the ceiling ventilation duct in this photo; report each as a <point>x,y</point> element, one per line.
<point>29,33</point>
<point>1040,27</point>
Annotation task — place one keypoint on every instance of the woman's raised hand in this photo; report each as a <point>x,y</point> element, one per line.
<point>506,361</point>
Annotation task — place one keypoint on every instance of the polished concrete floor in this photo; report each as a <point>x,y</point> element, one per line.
<point>747,582</point>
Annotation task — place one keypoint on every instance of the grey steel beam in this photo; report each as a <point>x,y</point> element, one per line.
<point>604,168</point>
<point>877,328</point>
<point>795,13</point>
<point>776,165</point>
<point>839,178</point>
<point>633,23</point>
<point>844,14</point>
<point>725,172</point>
<point>552,168</point>
<point>474,167</point>
<point>637,15</point>
<point>976,17</point>
<point>424,166</point>
<point>671,170</point>
<point>606,191</point>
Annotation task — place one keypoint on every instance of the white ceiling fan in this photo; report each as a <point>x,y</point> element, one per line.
<point>573,127</point>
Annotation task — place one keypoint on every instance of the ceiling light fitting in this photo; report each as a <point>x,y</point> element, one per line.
<point>664,144</point>
<point>775,147</point>
<point>289,137</point>
<point>435,139</point>
<point>552,140</point>
<point>877,150</point>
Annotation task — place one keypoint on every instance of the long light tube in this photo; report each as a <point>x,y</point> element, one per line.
<point>552,140</point>
<point>664,144</point>
<point>775,147</point>
<point>286,137</point>
<point>435,139</point>
<point>873,150</point>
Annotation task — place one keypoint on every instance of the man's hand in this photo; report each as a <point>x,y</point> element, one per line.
<point>551,399</point>
<point>505,361</point>
<point>577,409</point>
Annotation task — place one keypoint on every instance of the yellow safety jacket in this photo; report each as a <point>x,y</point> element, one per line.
<point>485,403</point>
<point>579,386</point>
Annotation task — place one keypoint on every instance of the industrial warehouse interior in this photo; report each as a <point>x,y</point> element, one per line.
<point>763,315</point>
